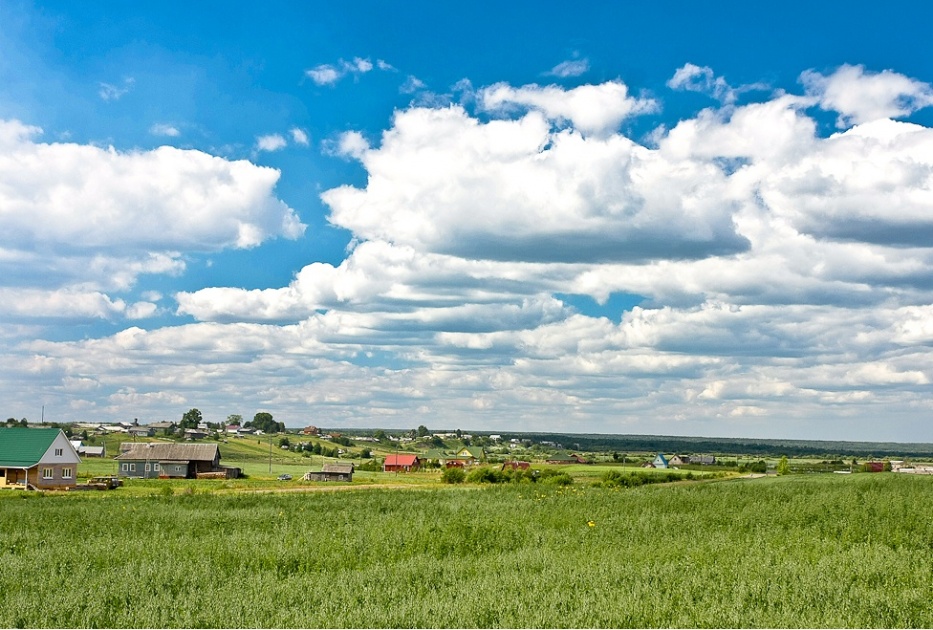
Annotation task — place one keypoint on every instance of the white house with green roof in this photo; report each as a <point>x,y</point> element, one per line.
<point>40,459</point>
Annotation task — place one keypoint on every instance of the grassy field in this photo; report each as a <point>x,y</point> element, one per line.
<point>798,551</point>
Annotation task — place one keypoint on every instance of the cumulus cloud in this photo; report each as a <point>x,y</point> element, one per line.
<point>590,109</point>
<point>444,182</point>
<point>784,277</point>
<point>80,221</point>
<point>860,96</point>
<point>82,197</point>
<point>271,142</point>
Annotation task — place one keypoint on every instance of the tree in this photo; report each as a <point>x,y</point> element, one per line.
<point>264,421</point>
<point>423,431</point>
<point>191,419</point>
<point>783,467</point>
<point>235,419</point>
<point>380,435</point>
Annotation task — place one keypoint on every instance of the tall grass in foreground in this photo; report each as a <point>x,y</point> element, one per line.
<point>825,551</point>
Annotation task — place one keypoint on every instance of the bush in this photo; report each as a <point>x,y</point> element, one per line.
<point>485,475</point>
<point>453,475</point>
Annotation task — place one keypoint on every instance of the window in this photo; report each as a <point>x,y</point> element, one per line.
<point>58,452</point>
<point>124,467</point>
<point>148,468</point>
<point>132,467</point>
<point>47,473</point>
<point>155,466</point>
<point>67,473</point>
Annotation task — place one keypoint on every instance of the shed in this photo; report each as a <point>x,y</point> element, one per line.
<point>37,458</point>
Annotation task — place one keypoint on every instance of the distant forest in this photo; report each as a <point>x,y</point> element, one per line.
<point>725,446</point>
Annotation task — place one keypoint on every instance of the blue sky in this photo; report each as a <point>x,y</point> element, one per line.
<point>661,218</point>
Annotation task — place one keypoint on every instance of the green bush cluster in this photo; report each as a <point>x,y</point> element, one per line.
<point>633,479</point>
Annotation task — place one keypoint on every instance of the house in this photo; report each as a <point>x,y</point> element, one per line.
<point>677,460</point>
<point>470,455</point>
<point>311,430</point>
<point>564,458</point>
<point>195,434</point>
<point>167,460</point>
<point>331,472</point>
<point>92,451</point>
<point>660,461</point>
<point>141,431</point>
<point>705,460</point>
<point>87,451</point>
<point>38,459</point>
<point>401,463</point>
<point>167,427</point>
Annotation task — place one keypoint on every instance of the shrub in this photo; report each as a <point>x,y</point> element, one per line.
<point>453,475</point>
<point>485,475</point>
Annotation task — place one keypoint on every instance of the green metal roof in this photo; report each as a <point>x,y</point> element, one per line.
<point>23,447</point>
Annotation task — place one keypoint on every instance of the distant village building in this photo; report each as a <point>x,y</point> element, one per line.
<point>401,463</point>
<point>331,472</point>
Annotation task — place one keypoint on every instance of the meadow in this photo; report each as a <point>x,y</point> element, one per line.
<point>795,551</point>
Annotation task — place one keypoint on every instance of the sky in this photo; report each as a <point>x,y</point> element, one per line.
<point>667,218</point>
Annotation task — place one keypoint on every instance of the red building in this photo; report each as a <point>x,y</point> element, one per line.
<point>401,463</point>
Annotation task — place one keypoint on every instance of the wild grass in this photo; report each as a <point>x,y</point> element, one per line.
<point>800,551</point>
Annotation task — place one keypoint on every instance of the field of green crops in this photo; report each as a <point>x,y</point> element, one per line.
<point>798,551</point>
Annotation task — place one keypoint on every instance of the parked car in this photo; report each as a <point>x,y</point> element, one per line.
<point>285,477</point>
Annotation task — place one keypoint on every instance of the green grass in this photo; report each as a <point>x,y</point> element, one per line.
<point>800,551</point>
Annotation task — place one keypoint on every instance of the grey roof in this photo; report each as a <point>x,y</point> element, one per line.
<point>344,469</point>
<point>168,451</point>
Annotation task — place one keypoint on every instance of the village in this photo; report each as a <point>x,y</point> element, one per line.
<point>96,456</point>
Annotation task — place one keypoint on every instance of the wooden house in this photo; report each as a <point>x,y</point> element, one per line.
<point>331,472</point>
<point>660,461</point>
<point>564,458</point>
<point>167,460</point>
<point>401,463</point>
<point>37,459</point>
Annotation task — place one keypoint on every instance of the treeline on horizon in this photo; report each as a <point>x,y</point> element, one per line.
<point>703,445</point>
<point>725,446</point>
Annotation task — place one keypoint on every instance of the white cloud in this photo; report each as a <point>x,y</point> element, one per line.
<point>271,142</point>
<point>80,222</point>
<point>693,78</point>
<point>516,190</point>
<point>591,109</point>
<point>350,144</point>
<point>859,96</point>
<point>570,68</point>
<point>163,129</point>
<point>329,74</point>
<point>412,84</point>
<point>112,92</point>
<point>299,136</point>
<point>785,277</point>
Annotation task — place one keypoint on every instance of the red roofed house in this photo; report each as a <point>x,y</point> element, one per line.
<point>403,463</point>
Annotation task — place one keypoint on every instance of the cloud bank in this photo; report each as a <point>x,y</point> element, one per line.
<point>785,278</point>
